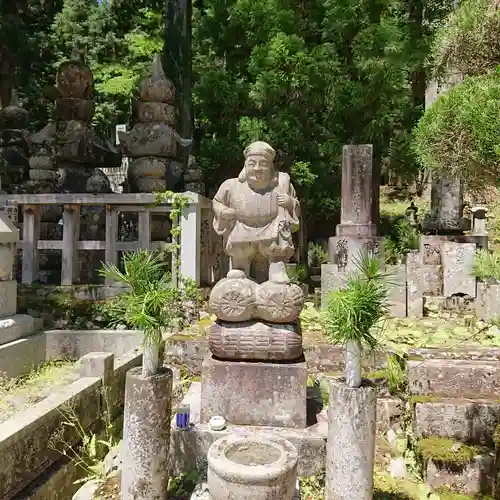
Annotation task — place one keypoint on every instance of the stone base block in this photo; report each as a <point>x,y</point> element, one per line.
<point>8,298</point>
<point>201,491</point>
<point>475,477</point>
<point>256,341</point>
<point>254,393</point>
<point>469,421</point>
<point>15,327</point>
<point>331,280</point>
<point>188,449</point>
<point>447,378</point>
<point>19,357</point>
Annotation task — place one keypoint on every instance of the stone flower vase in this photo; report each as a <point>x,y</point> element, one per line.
<point>350,449</point>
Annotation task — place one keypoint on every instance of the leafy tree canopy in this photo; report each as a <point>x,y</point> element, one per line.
<point>458,134</point>
<point>470,41</point>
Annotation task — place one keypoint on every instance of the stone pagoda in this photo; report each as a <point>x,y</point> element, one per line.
<point>153,143</point>
<point>14,149</point>
<point>66,152</point>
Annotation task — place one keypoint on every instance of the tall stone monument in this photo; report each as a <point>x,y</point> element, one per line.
<point>257,307</point>
<point>357,231</point>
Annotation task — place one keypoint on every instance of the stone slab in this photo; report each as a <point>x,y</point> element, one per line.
<point>331,280</point>
<point>15,327</point>
<point>254,393</point>
<point>432,279</point>
<point>8,298</point>
<point>397,291</point>
<point>22,355</point>
<point>74,344</point>
<point>458,260</point>
<point>188,449</point>
<point>414,285</point>
<point>449,378</point>
<point>469,421</point>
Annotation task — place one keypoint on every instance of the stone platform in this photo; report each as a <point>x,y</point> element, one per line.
<point>201,491</point>
<point>188,449</point>
<point>254,393</point>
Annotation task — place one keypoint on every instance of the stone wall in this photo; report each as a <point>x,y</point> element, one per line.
<point>24,440</point>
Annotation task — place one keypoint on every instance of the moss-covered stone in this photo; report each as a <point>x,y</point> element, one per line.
<point>447,451</point>
<point>423,398</point>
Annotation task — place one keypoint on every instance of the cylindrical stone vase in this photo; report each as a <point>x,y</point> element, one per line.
<point>252,467</point>
<point>350,449</point>
<point>146,435</point>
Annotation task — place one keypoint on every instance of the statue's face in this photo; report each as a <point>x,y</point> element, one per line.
<point>258,169</point>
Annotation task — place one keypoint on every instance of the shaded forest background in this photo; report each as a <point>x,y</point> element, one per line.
<point>306,75</point>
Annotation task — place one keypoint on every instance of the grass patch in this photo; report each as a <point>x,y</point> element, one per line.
<point>17,394</point>
<point>447,451</point>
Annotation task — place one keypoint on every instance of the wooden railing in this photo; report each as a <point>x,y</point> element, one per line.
<point>144,204</point>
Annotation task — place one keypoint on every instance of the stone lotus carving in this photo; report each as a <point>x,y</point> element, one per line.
<point>256,214</point>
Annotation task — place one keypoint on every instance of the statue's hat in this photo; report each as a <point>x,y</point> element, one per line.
<point>260,148</point>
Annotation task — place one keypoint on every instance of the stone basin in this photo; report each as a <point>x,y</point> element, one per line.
<point>252,468</point>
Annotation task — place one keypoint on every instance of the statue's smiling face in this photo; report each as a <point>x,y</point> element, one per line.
<point>258,169</point>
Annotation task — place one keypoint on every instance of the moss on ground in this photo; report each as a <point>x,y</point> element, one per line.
<point>447,451</point>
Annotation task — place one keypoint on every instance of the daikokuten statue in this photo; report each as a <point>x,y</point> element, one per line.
<point>257,213</point>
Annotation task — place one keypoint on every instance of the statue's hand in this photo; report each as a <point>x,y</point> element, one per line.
<point>284,200</point>
<point>228,214</point>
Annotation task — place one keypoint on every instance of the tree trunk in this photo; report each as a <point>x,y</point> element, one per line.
<point>353,351</point>
<point>150,359</point>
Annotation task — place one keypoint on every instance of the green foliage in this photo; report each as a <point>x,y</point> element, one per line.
<point>396,374</point>
<point>151,304</point>
<point>298,274</point>
<point>468,42</point>
<point>401,238</point>
<point>356,313</point>
<point>183,484</point>
<point>317,255</point>
<point>84,448</point>
<point>308,77</point>
<point>458,134</point>
<point>486,265</point>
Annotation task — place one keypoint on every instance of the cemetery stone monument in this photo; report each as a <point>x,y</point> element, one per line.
<point>257,307</point>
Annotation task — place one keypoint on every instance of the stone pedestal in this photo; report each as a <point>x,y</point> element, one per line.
<point>254,393</point>
<point>344,250</point>
<point>350,449</point>
<point>146,435</point>
<point>255,341</point>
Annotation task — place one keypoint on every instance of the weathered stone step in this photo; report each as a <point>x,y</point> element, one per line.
<point>454,378</point>
<point>466,420</point>
<point>16,326</point>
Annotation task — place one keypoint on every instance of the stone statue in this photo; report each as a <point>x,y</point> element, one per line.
<point>257,213</point>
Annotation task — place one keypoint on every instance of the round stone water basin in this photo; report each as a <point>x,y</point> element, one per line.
<point>252,468</point>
